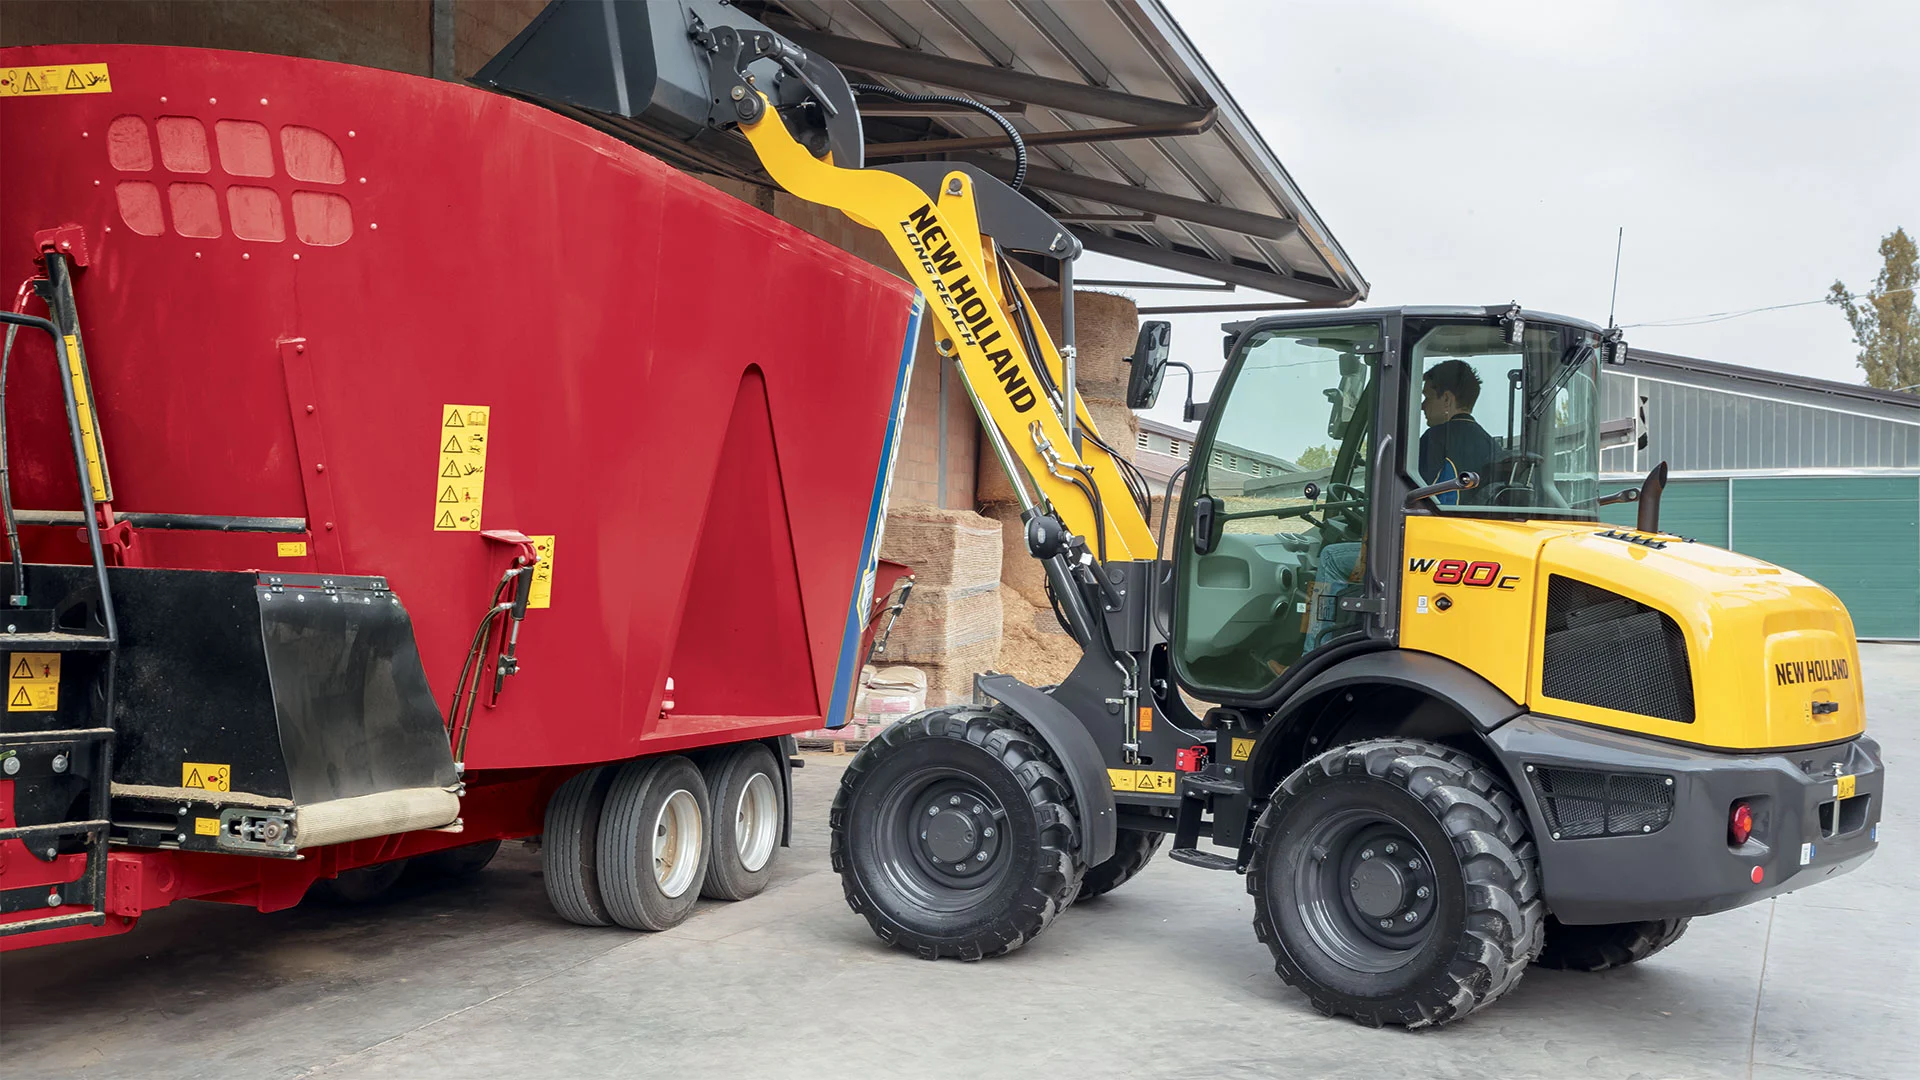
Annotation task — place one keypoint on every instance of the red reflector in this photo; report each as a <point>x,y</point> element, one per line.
<point>1740,826</point>
<point>1758,874</point>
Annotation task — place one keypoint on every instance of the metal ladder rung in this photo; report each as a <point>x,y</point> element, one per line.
<point>21,832</point>
<point>54,922</point>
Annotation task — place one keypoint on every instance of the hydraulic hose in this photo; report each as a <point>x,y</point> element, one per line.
<point>6,479</point>
<point>1019,144</point>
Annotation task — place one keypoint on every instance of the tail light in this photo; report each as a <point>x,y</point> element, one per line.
<point>1739,824</point>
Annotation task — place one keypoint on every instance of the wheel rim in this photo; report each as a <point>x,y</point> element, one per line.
<point>676,843</point>
<point>941,839</point>
<point>756,822</point>
<point>1365,890</point>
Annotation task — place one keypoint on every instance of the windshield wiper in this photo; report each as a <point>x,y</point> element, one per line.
<point>1568,366</point>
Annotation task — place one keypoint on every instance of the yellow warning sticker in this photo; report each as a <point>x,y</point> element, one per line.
<point>291,549</point>
<point>54,81</point>
<point>1148,781</point>
<point>199,774</point>
<point>206,826</point>
<point>1844,786</point>
<point>1146,718</point>
<point>89,439</point>
<point>461,473</point>
<point>33,682</point>
<point>1242,749</point>
<point>540,593</point>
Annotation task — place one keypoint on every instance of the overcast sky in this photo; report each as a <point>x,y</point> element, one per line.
<point>1476,153</point>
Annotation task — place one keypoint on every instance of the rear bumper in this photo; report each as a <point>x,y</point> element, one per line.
<point>1803,833</point>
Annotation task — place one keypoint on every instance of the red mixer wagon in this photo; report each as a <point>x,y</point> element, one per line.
<point>397,467</point>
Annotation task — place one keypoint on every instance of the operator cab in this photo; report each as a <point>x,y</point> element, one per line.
<point>1321,426</point>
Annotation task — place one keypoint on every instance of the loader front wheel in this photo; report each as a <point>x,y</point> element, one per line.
<point>1394,883</point>
<point>1132,850</point>
<point>955,834</point>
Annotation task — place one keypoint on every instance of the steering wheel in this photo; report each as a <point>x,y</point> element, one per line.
<point>1352,518</point>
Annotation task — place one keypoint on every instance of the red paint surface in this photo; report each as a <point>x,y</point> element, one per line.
<point>688,393</point>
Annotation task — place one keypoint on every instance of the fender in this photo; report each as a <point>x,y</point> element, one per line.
<point>1079,755</point>
<point>1483,704</point>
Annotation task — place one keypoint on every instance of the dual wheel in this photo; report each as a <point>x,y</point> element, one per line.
<point>637,844</point>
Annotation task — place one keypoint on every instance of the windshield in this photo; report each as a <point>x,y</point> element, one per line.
<point>1524,417</point>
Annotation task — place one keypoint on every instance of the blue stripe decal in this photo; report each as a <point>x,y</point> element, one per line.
<point>850,661</point>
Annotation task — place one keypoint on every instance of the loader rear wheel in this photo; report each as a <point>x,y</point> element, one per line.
<point>748,815</point>
<point>1132,850</point>
<point>955,834</point>
<point>653,843</point>
<point>1597,948</point>
<point>1394,883</point>
<point>569,849</point>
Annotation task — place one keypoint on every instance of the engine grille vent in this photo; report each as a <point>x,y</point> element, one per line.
<point>1609,651</point>
<point>1580,803</point>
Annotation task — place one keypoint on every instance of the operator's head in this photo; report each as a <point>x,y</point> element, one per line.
<point>1450,389</point>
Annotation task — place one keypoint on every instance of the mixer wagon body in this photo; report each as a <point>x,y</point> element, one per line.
<point>353,337</point>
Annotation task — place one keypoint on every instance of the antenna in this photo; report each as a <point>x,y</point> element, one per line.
<point>1618,241</point>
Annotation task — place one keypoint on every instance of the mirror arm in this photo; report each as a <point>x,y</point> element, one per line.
<point>1627,495</point>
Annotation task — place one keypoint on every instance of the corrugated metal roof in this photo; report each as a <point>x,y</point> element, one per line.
<point>1184,181</point>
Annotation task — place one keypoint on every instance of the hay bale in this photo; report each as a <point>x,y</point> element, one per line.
<point>945,547</point>
<point>1105,327</point>
<point>1019,570</point>
<point>951,682</point>
<point>1035,654</point>
<point>943,619</point>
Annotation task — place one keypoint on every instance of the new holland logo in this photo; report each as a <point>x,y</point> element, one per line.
<point>961,299</point>
<point>1794,672</point>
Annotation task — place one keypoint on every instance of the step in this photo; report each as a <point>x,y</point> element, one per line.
<point>53,922</point>
<point>58,828</point>
<point>1206,860</point>
<point>55,642</point>
<point>1198,784</point>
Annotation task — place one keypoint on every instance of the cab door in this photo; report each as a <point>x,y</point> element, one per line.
<point>1276,557</point>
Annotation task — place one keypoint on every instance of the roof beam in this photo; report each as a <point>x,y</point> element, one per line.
<point>1139,198</point>
<point>1040,138</point>
<point>937,70</point>
<point>1217,270</point>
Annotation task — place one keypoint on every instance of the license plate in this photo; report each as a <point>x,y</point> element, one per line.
<point>1843,787</point>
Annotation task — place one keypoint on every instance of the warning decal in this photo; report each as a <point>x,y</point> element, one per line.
<point>1148,781</point>
<point>460,477</point>
<point>540,592</point>
<point>206,826</point>
<point>292,548</point>
<point>1242,749</point>
<point>33,682</point>
<point>54,81</point>
<point>199,774</point>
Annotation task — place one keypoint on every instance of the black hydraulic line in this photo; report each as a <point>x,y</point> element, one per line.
<point>457,726</point>
<point>18,597</point>
<point>1013,133</point>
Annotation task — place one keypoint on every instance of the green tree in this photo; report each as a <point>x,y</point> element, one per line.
<point>1314,457</point>
<point>1886,325</point>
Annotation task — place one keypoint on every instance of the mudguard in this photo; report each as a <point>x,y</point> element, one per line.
<point>1079,755</point>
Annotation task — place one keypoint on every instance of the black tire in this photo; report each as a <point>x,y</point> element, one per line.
<point>1611,945</point>
<point>361,886</point>
<point>748,820</point>
<point>1001,808</point>
<point>1394,883</point>
<point>1132,849</point>
<point>454,863</point>
<point>569,849</point>
<point>653,843</point>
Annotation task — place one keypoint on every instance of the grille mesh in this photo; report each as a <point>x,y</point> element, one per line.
<point>1580,803</point>
<point>1609,651</point>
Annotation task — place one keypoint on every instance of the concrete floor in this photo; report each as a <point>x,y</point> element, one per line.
<point>1162,978</point>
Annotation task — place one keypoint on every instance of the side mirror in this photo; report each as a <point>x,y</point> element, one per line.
<point>1149,362</point>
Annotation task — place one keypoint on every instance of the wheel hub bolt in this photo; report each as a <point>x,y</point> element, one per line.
<point>923,834</point>
<point>1367,854</point>
<point>982,857</point>
<point>978,809</point>
<point>959,866</point>
<point>953,800</point>
<point>1413,864</point>
<point>933,811</point>
<point>1412,915</point>
<point>1423,892</point>
<point>1386,924</point>
<point>1391,848</point>
<point>987,832</point>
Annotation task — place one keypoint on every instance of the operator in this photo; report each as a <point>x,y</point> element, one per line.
<point>1454,441</point>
